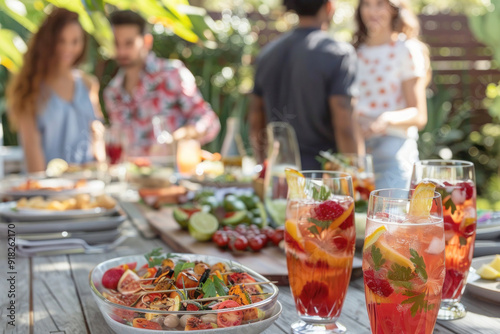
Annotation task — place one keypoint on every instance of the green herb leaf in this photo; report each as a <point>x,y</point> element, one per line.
<point>419,263</point>
<point>209,289</point>
<point>418,302</point>
<point>449,204</point>
<point>378,261</point>
<point>323,224</point>
<point>178,268</point>
<point>221,288</point>
<point>322,195</point>
<point>462,240</point>
<point>154,257</point>
<point>399,273</point>
<point>313,230</point>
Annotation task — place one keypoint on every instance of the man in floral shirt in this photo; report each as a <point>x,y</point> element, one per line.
<point>147,86</point>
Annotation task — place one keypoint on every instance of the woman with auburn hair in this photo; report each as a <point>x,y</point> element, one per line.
<point>52,105</point>
<point>393,72</point>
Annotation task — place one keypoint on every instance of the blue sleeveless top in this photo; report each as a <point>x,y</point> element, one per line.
<point>65,125</point>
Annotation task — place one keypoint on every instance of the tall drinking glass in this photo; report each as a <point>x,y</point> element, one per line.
<point>403,263</point>
<point>320,239</point>
<point>283,153</point>
<point>457,186</point>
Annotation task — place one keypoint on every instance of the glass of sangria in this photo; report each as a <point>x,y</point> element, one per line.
<point>360,167</point>
<point>403,260</point>
<point>456,184</point>
<point>319,241</point>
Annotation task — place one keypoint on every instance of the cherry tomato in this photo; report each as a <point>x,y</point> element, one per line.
<point>239,243</point>
<point>145,324</point>
<point>220,238</point>
<point>254,228</point>
<point>229,319</point>
<point>241,229</point>
<point>191,307</point>
<point>264,238</point>
<point>267,231</point>
<point>256,243</point>
<point>227,228</point>
<point>277,236</point>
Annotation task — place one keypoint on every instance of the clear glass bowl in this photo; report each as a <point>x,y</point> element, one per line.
<point>114,314</point>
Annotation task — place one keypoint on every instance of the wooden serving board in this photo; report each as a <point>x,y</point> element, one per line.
<point>269,262</point>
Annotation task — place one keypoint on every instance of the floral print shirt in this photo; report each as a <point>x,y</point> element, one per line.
<point>166,88</point>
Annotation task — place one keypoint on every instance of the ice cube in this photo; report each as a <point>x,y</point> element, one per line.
<point>436,246</point>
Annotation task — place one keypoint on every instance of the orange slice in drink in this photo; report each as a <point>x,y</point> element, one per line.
<point>421,200</point>
<point>292,229</point>
<point>372,238</point>
<point>296,184</point>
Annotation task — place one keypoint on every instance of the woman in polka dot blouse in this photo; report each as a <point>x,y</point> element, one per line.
<point>393,71</point>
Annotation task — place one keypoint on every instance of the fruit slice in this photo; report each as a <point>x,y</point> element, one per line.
<point>181,217</point>
<point>56,167</point>
<point>111,277</point>
<point>296,184</point>
<point>393,255</point>
<point>421,200</point>
<point>292,229</point>
<point>343,217</point>
<point>129,283</point>
<point>202,226</point>
<point>495,264</point>
<point>487,272</point>
<point>317,254</point>
<point>234,218</point>
<point>372,238</point>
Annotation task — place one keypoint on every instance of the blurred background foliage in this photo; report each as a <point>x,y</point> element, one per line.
<point>218,40</point>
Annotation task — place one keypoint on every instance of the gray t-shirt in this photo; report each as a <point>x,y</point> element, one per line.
<point>295,76</point>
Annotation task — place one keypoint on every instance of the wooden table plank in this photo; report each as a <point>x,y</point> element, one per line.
<point>21,297</point>
<point>56,306</point>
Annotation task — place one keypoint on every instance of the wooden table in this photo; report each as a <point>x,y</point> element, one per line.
<point>53,296</point>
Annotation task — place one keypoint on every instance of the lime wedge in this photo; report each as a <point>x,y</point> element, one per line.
<point>421,200</point>
<point>202,226</point>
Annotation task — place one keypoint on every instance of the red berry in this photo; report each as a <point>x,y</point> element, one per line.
<point>328,210</point>
<point>379,286</point>
<point>340,242</point>
<point>452,282</point>
<point>449,223</point>
<point>349,222</point>
<point>315,299</point>
<point>469,189</point>
<point>469,230</point>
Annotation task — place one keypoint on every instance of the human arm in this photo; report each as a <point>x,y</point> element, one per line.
<point>32,144</point>
<point>96,126</point>
<point>347,134</point>
<point>92,85</point>
<point>415,113</point>
<point>257,121</point>
<point>202,123</point>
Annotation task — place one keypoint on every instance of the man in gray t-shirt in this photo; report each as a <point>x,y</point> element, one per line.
<point>306,78</point>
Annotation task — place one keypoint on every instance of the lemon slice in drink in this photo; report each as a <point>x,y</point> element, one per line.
<point>421,200</point>
<point>372,238</point>
<point>393,255</point>
<point>296,184</point>
<point>487,272</point>
<point>56,167</point>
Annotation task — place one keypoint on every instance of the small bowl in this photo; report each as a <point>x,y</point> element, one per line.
<point>114,313</point>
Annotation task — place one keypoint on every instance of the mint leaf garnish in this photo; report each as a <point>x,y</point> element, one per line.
<point>154,257</point>
<point>322,194</point>
<point>378,261</point>
<point>449,204</point>
<point>419,263</point>
<point>418,302</point>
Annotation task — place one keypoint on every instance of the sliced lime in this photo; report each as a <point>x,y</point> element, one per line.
<point>202,226</point>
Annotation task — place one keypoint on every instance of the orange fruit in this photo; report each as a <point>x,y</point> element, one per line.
<point>296,184</point>
<point>421,200</point>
